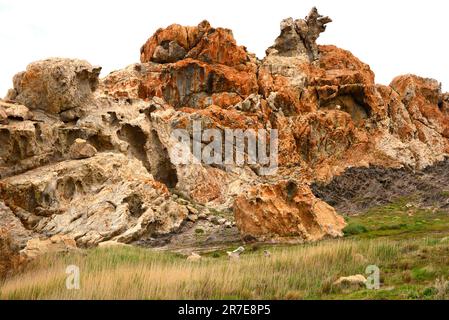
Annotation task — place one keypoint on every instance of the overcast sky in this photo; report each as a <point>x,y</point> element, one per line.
<point>394,37</point>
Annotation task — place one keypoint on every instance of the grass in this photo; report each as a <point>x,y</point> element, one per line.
<point>398,221</point>
<point>407,249</point>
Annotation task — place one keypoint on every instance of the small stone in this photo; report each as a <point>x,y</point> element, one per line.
<point>212,219</point>
<point>194,257</point>
<point>56,85</point>
<point>70,115</point>
<point>235,255</point>
<point>351,281</point>
<point>192,209</point>
<point>228,224</point>
<point>112,244</point>
<point>81,149</point>
<point>221,221</point>
<point>202,216</point>
<point>193,217</point>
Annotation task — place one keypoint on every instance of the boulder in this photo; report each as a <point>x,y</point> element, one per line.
<point>285,211</point>
<point>19,112</point>
<point>81,149</point>
<point>55,85</point>
<point>358,281</point>
<point>38,247</point>
<point>14,111</point>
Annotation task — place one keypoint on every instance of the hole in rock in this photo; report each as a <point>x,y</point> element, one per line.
<point>134,205</point>
<point>136,139</point>
<point>161,167</point>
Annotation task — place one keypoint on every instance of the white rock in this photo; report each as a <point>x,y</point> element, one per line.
<point>194,257</point>
<point>351,281</point>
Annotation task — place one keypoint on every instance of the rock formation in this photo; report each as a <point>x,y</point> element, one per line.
<point>55,85</point>
<point>285,210</point>
<point>92,159</point>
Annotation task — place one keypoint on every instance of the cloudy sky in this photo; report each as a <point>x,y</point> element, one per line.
<point>394,36</point>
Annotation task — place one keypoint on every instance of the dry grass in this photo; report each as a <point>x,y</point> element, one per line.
<point>411,252</point>
<point>442,289</point>
<point>131,273</point>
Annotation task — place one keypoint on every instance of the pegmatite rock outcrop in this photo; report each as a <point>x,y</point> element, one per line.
<point>92,159</point>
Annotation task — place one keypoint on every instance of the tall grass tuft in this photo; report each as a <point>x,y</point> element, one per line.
<point>131,273</point>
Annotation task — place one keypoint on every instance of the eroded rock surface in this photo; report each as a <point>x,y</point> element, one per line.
<point>55,85</point>
<point>189,67</point>
<point>107,197</point>
<point>93,160</point>
<point>286,210</point>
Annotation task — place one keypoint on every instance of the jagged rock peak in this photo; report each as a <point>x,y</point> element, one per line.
<point>298,37</point>
<point>201,42</point>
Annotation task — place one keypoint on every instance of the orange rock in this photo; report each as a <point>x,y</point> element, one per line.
<point>285,210</point>
<point>196,84</point>
<point>324,102</point>
<point>201,66</point>
<point>424,101</point>
<point>184,37</point>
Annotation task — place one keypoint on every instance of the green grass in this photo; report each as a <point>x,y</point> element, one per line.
<point>405,243</point>
<point>396,221</point>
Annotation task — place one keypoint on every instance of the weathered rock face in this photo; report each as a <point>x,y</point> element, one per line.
<point>9,258</point>
<point>417,121</point>
<point>81,149</point>
<point>288,211</point>
<point>298,37</point>
<point>55,85</point>
<point>36,247</point>
<point>189,67</point>
<point>98,164</point>
<point>93,200</point>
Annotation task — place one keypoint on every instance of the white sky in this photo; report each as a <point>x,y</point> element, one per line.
<point>394,37</point>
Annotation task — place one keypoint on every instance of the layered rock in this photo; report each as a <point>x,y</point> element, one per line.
<point>94,160</point>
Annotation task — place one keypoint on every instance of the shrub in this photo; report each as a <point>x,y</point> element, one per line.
<point>353,229</point>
